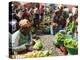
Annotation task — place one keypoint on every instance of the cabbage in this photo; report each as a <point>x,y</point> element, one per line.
<point>59,36</point>
<point>71,43</point>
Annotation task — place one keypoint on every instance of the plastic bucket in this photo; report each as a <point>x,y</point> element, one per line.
<point>72,51</point>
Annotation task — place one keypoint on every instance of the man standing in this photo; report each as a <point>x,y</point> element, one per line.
<point>36,17</point>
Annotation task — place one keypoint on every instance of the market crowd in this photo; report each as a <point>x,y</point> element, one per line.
<point>32,12</point>
<point>24,15</point>
<point>61,15</point>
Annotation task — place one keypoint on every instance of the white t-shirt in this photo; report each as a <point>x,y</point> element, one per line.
<point>36,11</point>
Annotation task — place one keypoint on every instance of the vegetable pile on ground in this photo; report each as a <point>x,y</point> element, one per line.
<point>38,54</point>
<point>34,54</point>
<point>38,44</point>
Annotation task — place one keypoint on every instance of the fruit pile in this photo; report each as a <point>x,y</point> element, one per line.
<point>34,54</point>
<point>37,54</point>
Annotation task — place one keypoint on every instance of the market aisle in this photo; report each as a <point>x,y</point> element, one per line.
<point>48,44</point>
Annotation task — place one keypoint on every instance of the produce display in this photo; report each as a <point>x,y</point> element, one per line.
<point>70,43</point>
<point>33,54</point>
<point>72,46</point>
<point>67,40</point>
<point>37,54</point>
<point>60,37</point>
<point>38,44</point>
<point>46,30</point>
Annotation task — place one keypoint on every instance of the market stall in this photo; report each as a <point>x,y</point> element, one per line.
<point>44,30</point>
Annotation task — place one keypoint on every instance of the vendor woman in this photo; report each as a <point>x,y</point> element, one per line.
<point>22,37</point>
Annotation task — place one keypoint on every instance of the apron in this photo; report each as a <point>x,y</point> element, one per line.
<point>24,39</point>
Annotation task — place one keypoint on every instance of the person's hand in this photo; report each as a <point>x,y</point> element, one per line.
<point>32,42</point>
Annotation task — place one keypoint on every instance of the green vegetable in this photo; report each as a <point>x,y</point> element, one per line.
<point>72,46</point>
<point>38,45</point>
<point>71,43</point>
<point>71,26</point>
<point>37,54</point>
<point>60,37</point>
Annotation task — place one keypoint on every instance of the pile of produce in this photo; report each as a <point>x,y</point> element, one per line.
<point>38,54</point>
<point>38,44</point>
<point>66,40</point>
<point>34,54</point>
<point>60,37</point>
<point>71,45</point>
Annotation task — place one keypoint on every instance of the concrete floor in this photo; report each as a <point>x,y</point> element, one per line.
<point>48,44</point>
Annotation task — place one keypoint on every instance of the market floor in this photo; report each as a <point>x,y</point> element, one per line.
<point>48,44</point>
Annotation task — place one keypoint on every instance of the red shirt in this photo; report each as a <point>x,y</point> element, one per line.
<point>41,9</point>
<point>25,14</point>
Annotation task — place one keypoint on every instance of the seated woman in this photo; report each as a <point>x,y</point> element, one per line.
<point>22,37</point>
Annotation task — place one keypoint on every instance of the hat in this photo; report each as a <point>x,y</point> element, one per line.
<point>24,23</point>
